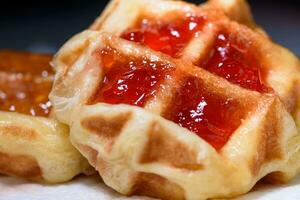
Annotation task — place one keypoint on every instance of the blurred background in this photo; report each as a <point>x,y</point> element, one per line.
<point>43,26</point>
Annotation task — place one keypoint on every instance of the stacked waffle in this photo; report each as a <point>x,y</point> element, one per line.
<point>33,145</point>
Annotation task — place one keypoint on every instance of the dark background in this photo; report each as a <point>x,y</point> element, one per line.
<point>43,26</point>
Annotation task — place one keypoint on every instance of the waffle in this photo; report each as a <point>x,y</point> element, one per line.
<point>131,141</point>
<point>204,114</point>
<point>33,146</point>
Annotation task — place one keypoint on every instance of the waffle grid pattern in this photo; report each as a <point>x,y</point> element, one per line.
<point>116,138</point>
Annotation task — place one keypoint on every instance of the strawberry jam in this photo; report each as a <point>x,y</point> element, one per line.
<point>25,83</point>
<point>210,116</point>
<point>233,60</point>
<point>128,80</point>
<point>169,38</point>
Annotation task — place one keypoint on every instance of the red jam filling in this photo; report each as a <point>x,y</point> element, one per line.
<point>128,80</point>
<point>233,60</point>
<point>210,116</point>
<point>169,38</point>
<point>25,83</point>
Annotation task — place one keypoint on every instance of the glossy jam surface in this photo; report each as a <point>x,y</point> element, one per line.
<point>233,60</point>
<point>25,82</point>
<point>128,80</point>
<point>25,63</point>
<point>211,117</point>
<point>169,38</point>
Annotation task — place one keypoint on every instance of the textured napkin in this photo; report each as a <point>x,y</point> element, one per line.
<point>92,188</point>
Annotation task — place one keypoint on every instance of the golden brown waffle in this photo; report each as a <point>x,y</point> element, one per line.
<point>232,127</point>
<point>139,151</point>
<point>32,146</point>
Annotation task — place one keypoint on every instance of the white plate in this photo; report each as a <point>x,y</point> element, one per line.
<point>92,188</point>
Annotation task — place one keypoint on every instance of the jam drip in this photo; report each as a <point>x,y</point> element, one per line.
<point>128,80</point>
<point>210,116</point>
<point>25,88</point>
<point>169,38</point>
<point>233,60</point>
